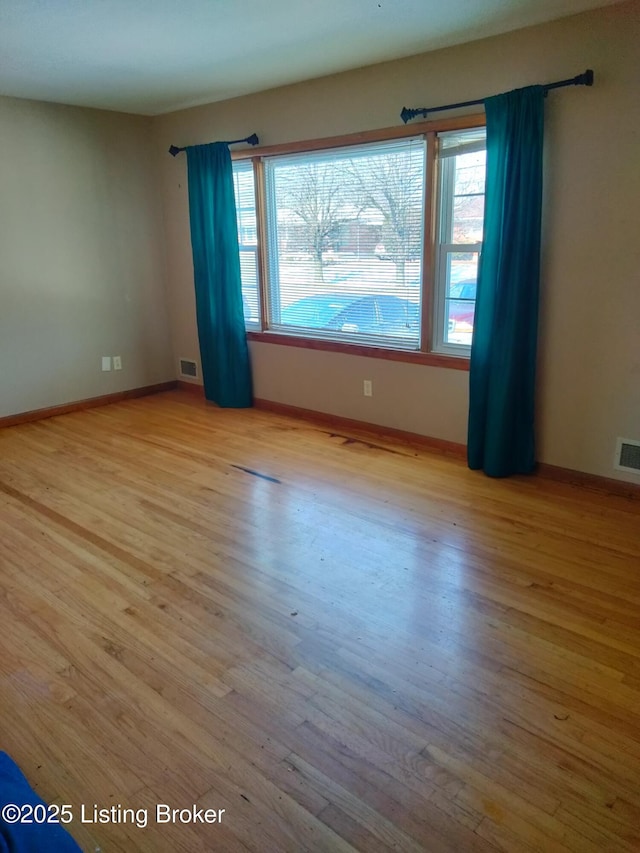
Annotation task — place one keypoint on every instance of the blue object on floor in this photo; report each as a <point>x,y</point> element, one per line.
<point>21,837</point>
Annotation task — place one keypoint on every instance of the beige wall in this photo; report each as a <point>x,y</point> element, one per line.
<point>82,267</point>
<point>589,390</point>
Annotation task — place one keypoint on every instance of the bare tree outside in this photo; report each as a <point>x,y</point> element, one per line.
<point>393,184</point>
<point>314,194</point>
<point>468,199</point>
<point>320,198</point>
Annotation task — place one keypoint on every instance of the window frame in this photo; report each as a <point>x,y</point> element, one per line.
<point>444,245</point>
<point>427,353</point>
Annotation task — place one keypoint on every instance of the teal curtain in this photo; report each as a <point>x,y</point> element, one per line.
<point>503,354</point>
<point>224,354</point>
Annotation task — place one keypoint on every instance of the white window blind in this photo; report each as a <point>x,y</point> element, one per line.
<point>344,242</point>
<point>244,188</point>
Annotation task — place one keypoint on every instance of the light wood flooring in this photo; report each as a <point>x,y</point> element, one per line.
<point>346,644</point>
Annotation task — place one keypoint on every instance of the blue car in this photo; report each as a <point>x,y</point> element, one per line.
<point>355,314</point>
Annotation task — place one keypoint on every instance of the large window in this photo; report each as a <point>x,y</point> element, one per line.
<point>343,242</point>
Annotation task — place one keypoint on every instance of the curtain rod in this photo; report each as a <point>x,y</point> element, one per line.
<point>252,140</point>
<point>407,114</point>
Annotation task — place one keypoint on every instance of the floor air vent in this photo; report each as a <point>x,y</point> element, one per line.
<point>628,455</point>
<point>188,368</point>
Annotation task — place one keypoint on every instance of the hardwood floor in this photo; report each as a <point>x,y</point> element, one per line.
<point>344,644</point>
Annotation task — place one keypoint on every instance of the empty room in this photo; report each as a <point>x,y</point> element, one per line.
<point>319,426</point>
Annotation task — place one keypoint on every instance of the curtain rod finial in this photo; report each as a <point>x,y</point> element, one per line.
<point>407,114</point>
<point>175,150</point>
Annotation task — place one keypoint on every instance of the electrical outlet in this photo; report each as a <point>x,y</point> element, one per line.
<point>106,362</point>
<point>117,362</point>
<point>367,388</point>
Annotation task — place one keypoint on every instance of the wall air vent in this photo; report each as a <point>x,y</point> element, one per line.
<point>188,368</point>
<point>628,455</point>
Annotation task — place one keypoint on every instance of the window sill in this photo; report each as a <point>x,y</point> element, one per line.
<point>430,359</point>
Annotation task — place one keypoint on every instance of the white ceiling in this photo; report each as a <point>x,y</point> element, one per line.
<point>155,56</point>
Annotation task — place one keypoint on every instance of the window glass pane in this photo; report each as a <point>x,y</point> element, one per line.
<point>468,197</point>
<point>345,232</point>
<point>243,183</point>
<point>460,300</point>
